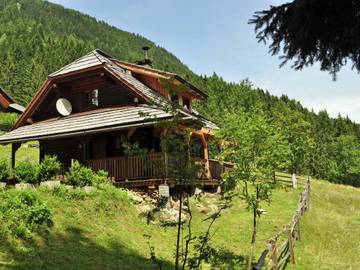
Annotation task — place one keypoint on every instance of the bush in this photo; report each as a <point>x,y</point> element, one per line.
<point>27,172</point>
<point>79,175</point>
<point>48,168</point>
<point>4,170</point>
<point>23,213</point>
<point>100,178</point>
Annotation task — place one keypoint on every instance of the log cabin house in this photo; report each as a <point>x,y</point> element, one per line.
<point>8,105</point>
<point>109,102</point>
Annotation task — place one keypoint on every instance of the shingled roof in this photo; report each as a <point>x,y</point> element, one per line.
<point>92,61</point>
<point>96,121</point>
<point>8,104</point>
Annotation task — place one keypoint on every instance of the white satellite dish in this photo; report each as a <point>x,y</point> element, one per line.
<point>63,106</point>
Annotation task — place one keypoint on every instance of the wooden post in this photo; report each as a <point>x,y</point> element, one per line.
<point>274,177</point>
<point>291,244</point>
<point>294,180</point>
<point>206,156</point>
<point>298,230</point>
<point>14,148</point>
<point>274,255</point>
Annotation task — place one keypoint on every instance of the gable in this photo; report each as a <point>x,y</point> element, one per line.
<point>94,64</point>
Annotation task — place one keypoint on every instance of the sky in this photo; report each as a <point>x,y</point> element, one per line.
<point>214,36</point>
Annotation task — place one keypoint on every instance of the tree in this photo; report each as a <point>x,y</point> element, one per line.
<point>309,31</point>
<point>255,148</point>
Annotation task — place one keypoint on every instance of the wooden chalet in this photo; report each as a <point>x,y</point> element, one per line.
<point>111,100</point>
<point>7,104</point>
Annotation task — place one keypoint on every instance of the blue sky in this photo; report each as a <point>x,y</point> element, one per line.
<point>213,36</point>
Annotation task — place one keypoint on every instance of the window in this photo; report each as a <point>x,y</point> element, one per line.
<point>92,98</point>
<point>186,104</point>
<point>196,148</point>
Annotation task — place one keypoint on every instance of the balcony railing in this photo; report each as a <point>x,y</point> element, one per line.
<point>151,166</point>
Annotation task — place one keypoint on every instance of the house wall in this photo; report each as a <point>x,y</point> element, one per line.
<point>99,146</point>
<point>110,94</point>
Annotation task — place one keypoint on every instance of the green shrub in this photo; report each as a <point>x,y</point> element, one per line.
<point>48,168</point>
<point>79,175</point>
<point>4,170</point>
<point>100,178</point>
<point>23,213</point>
<point>27,172</point>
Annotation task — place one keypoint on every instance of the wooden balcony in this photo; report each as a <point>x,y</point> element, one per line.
<point>150,170</point>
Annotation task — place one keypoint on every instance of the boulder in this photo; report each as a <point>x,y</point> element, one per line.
<point>202,209</point>
<point>2,185</point>
<point>22,186</point>
<point>213,208</point>
<point>136,199</point>
<point>50,184</point>
<point>144,209</point>
<point>88,188</point>
<point>170,217</point>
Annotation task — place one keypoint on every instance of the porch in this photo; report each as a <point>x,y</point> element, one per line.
<point>151,170</point>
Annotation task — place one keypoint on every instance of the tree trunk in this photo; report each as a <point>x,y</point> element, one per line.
<point>253,238</point>
<point>178,234</point>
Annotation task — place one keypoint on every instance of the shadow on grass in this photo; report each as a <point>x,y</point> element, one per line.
<point>75,250</point>
<point>224,259</point>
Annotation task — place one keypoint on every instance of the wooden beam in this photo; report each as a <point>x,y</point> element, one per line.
<point>130,132</point>
<point>14,148</point>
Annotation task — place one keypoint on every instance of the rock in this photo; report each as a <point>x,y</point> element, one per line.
<point>144,209</point>
<point>202,209</point>
<point>213,208</point>
<point>50,184</point>
<point>170,217</point>
<point>88,188</point>
<point>22,186</point>
<point>2,185</point>
<point>135,198</point>
<point>197,192</point>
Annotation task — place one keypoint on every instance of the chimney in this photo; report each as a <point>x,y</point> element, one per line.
<point>146,62</point>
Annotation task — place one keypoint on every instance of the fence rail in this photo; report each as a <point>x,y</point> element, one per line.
<point>276,255</point>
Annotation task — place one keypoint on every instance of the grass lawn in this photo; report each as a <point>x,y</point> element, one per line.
<point>27,152</point>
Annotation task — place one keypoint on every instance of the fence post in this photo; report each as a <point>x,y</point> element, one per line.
<point>298,235</point>
<point>291,244</point>
<point>274,177</point>
<point>274,255</point>
<point>294,180</point>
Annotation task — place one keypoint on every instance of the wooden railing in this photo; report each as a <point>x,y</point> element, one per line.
<point>130,167</point>
<point>151,166</point>
<point>275,255</point>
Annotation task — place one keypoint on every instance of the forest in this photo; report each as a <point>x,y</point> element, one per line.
<point>38,37</point>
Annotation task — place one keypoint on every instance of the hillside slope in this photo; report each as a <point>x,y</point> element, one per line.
<point>102,230</point>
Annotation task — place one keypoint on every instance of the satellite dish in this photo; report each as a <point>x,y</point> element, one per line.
<point>63,106</point>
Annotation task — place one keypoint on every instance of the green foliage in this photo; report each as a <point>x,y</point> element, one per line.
<point>27,172</point>
<point>48,168</point>
<point>4,170</point>
<point>23,213</point>
<point>7,120</point>
<point>81,176</point>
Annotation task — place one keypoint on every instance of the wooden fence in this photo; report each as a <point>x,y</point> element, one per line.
<point>276,255</point>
